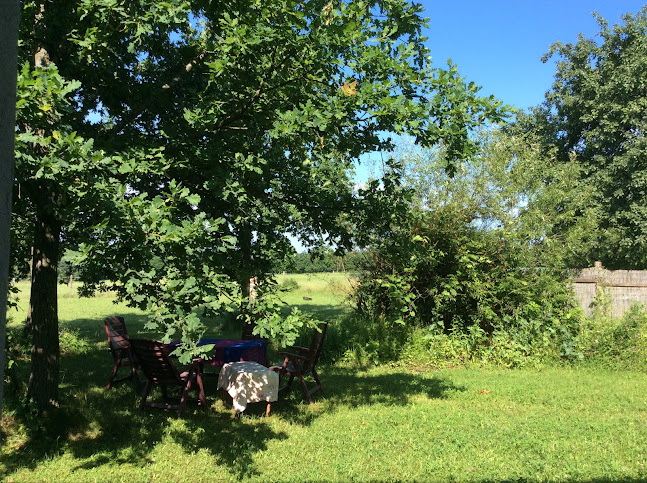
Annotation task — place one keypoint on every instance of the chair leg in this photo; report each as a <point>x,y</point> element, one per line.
<point>317,380</point>
<point>185,393</point>
<point>304,386</point>
<point>289,384</point>
<point>147,391</point>
<point>201,398</point>
<point>133,371</point>
<point>119,362</point>
<point>282,373</point>
<point>114,372</point>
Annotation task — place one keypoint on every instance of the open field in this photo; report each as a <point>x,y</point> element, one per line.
<point>327,293</point>
<point>381,423</point>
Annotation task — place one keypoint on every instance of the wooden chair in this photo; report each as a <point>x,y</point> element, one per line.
<point>153,359</point>
<point>119,344</point>
<point>302,361</point>
<point>248,331</point>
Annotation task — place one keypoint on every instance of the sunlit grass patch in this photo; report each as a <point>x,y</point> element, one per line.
<point>390,422</point>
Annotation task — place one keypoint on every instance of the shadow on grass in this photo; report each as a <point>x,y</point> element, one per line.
<point>130,437</point>
<point>99,427</point>
<point>349,388</point>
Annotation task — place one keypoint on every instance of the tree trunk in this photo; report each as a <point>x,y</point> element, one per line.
<point>245,273</point>
<point>246,278</point>
<point>9,17</point>
<point>43,312</point>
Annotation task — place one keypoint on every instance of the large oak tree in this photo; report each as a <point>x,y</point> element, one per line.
<point>218,128</point>
<point>72,55</point>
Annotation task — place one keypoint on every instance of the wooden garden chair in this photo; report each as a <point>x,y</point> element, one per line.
<point>301,362</point>
<point>153,359</point>
<point>248,329</point>
<point>119,344</point>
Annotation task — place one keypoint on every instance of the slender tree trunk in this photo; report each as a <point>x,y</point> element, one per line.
<point>43,312</point>
<point>246,278</point>
<point>244,271</point>
<point>9,17</point>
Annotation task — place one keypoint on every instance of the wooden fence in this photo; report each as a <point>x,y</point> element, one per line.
<point>622,289</point>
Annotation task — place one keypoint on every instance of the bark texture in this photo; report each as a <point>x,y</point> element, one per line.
<point>9,19</point>
<point>43,312</point>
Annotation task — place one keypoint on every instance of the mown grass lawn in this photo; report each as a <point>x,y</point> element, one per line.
<point>382,423</point>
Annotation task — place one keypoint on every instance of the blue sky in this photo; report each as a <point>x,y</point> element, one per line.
<point>499,44</point>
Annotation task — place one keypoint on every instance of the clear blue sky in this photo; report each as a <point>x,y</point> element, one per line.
<point>499,44</point>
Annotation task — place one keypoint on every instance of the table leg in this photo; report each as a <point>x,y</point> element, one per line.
<point>201,397</point>
<point>198,367</point>
<point>225,397</point>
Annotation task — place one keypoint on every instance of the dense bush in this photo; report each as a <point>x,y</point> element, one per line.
<point>479,256</point>
<point>614,343</point>
<point>600,341</point>
<point>452,277</point>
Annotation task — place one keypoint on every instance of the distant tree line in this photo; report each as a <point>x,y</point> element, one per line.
<point>323,261</point>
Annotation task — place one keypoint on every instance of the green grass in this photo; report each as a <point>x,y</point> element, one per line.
<point>382,423</point>
<point>324,295</point>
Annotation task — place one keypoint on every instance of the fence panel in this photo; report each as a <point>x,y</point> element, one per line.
<point>623,288</point>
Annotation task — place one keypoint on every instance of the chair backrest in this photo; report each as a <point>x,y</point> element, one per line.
<point>152,356</point>
<point>248,329</point>
<point>117,334</point>
<point>315,346</point>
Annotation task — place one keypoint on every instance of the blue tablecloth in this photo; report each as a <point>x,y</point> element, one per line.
<point>232,350</point>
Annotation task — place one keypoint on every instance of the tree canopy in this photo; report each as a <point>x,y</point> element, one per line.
<point>595,110</point>
<point>173,146</point>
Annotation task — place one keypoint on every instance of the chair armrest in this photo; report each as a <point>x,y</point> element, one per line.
<point>298,348</point>
<point>290,355</point>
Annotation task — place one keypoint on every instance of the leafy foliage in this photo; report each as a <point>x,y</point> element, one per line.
<point>263,311</point>
<point>275,102</point>
<point>173,146</point>
<point>615,343</point>
<point>73,57</point>
<point>595,110</point>
<point>477,254</point>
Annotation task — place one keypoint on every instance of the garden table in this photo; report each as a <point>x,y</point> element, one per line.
<point>249,382</point>
<point>232,350</point>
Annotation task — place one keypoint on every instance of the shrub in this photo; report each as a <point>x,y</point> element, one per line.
<point>615,343</point>
<point>451,277</point>
<point>289,285</point>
